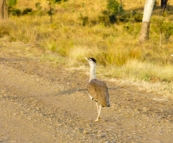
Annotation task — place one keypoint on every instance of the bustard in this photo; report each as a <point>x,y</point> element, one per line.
<point>97,89</point>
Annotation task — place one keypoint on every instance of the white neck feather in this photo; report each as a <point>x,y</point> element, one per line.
<point>92,73</point>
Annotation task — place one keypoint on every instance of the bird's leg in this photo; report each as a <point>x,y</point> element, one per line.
<point>97,107</point>
<point>90,97</point>
<point>98,111</point>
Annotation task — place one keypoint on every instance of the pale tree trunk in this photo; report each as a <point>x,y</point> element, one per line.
<point>3,10</point>
<point>148,9</point>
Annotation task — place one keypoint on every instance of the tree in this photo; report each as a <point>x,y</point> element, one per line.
<point>3,10</point>
<point>148,9</point>
<point>164,4</point>
<point>51,8</point>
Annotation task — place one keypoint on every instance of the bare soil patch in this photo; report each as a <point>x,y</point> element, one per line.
<point>44,103</point>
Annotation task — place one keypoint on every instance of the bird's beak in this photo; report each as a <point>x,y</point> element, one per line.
<point>86,58</point>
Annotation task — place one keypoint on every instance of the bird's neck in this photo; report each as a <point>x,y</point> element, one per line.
<point>92,73</point>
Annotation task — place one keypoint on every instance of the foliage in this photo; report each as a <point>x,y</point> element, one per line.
<point>18,12</point>
<point>163,27</point>
<point>11,9</point>
<point>168,29</point>
<point>12,3</point>
<point>56,1</point>
<point>132,16</point>
<point>26,11</point>
<point>113,7</point>
<point>15,11</point>
<point>84,19</point>
<point>38,10</point>
<point>115,13</point>
<point>109,16</point>
<point>51,8</point>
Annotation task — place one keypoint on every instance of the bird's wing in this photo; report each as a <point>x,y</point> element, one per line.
<point>99,91</point>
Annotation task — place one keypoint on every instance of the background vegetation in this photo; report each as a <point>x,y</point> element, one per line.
<point>85,28</point>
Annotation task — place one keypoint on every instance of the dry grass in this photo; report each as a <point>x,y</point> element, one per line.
<point>115,46</point>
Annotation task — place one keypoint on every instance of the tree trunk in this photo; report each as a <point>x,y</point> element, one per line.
<point>163,5</point>
<point>3,10</point>
<point>144,34</point>
<point>148,9</point>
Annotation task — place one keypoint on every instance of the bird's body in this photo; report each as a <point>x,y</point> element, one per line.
<point>97,89</point>
<point>99,92</point>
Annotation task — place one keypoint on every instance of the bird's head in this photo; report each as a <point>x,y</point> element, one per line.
<point>91,61</point>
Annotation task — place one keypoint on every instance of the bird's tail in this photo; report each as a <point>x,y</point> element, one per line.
<point>108,103</point>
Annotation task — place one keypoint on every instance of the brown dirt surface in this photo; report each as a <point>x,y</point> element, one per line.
<point>44,103</point>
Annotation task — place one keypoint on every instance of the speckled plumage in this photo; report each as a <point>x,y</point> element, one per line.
<point>99,92</point>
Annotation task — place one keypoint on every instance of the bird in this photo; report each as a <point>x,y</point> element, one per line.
<point>98,90</point>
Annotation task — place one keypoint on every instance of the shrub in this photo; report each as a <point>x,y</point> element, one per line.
<point>113,7</point>
<point>163,27</point>
<point>109,16</point>
<point>168,29</point>
<point>26,11</point>
<point>15,11</point>
<point>11,3</point>
<point>104,19</point>
<point>84,19</point>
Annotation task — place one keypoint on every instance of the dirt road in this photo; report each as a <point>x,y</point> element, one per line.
<point>42,103</point>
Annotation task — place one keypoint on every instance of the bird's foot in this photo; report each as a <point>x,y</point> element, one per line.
<point>98,119</point>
